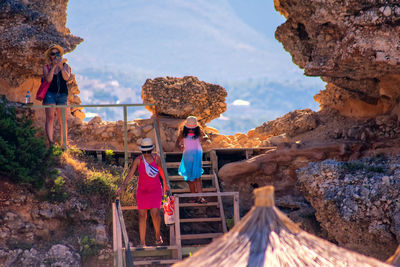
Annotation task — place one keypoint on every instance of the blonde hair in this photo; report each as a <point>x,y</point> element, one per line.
<point>53,46</point>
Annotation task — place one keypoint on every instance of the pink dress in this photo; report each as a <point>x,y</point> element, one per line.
<point>149,190</point>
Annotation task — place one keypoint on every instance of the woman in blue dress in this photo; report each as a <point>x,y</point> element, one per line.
<point>191,164</point>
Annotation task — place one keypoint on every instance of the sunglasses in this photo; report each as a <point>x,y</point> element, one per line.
<point>55,54</point>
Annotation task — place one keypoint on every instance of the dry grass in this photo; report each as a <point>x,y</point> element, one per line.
<point>84,171</point>
<point>266,237</point>
<point>69,158</point>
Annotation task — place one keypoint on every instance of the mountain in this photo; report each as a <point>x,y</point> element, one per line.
<point>225,42</point>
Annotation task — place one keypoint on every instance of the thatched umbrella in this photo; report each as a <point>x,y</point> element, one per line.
<point>395,259</point>
<point>266,237</point>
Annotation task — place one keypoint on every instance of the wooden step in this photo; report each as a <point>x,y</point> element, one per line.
<point>176,164</point>
<point>216,219</point>
<point>208,204</point>
<point>154,262</point>
<point>201,236</point>
<point>186,190</point>
<point>175,178</point>
<point>153,248</point>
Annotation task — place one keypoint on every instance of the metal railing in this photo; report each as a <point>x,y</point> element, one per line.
<point>125,110</point>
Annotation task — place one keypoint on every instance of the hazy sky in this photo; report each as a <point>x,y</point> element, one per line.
<point>214,40</point>
<point>219,41</point>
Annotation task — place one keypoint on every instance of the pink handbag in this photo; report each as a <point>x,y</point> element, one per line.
<point>44,86</point>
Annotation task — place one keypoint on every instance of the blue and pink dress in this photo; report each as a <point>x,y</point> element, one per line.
<point>191,164</point>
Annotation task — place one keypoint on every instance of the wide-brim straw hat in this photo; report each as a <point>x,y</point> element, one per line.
<point>266,237</point>
<point>191,122</point>
<point>146,144</point>
<point>54,46</point>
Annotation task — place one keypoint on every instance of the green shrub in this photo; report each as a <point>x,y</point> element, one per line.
<point>88,247</point>
<point>110,156</point>
<point>101,183</point>
<point>23,156</point>
<point>57,192</point>
<point>230,222</point>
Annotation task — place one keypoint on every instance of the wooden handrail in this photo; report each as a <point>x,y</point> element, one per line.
<point>124,106</point>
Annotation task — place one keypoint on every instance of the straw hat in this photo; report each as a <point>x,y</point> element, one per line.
<point>191,122</point>
<point>54,46</point>
<point>146,144</point>
<point>266,237</point>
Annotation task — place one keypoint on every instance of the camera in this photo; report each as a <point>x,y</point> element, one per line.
<point>58,57</point>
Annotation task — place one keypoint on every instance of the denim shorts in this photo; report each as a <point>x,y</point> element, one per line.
<point>54,98</point>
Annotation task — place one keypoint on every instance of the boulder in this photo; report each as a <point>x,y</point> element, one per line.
<point>182,97</point>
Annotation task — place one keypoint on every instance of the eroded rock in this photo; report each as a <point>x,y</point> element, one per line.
<point>353,45</point>
<point>183,97</point>
<point>356,202</point>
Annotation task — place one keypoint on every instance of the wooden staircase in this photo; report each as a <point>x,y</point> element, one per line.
<point>185,237</point>
<point>188,214</point>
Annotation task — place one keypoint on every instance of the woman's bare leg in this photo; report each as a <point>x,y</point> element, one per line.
<point>199,189</point>
<point>155,216</point>
<point>49,125</point>
<point>198,185</point>
<point>142,226</point>
<point>192,186</point>
<point>59,116</point>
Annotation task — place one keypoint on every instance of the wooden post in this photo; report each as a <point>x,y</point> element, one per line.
<point>99,156</point>
<point>158,141</point>
<point>64,137</point>
<point>172,240</point>
<point>178,228</point>
<point>117,239</point>
<point>236,214</point>
<point>221,206</point>
<point>125,137</point>
<point>128,256</point>
<point>214,160</point>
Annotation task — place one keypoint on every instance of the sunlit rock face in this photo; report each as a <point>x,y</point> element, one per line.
<point>27,29</point>
<point>353,45</point>
<point>182,97</point>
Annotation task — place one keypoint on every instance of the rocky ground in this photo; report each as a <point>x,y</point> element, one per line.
<point>55,226</point>
<point>356,202</point>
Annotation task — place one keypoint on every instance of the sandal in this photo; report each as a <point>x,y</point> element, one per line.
<point>159,242</point>
<point>202,200</point>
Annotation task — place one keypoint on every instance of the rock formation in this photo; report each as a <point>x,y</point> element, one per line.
<point>357,202</point>
<point>292,124</point>
<point>28,28</point>
<point>57,255</point>
<point>353,45</point>
<point>182,97</point>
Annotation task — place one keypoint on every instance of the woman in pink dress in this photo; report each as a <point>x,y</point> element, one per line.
<point>149,192</point>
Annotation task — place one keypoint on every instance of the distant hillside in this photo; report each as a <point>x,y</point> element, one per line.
<point>250,102</point>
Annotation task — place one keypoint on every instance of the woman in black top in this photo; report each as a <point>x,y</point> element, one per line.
<point>57,73</point>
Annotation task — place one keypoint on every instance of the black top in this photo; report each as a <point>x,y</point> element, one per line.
<point>58,84</point>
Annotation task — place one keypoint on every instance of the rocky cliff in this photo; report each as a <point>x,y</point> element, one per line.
<point>27,29</point>
<point>353,45</point>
